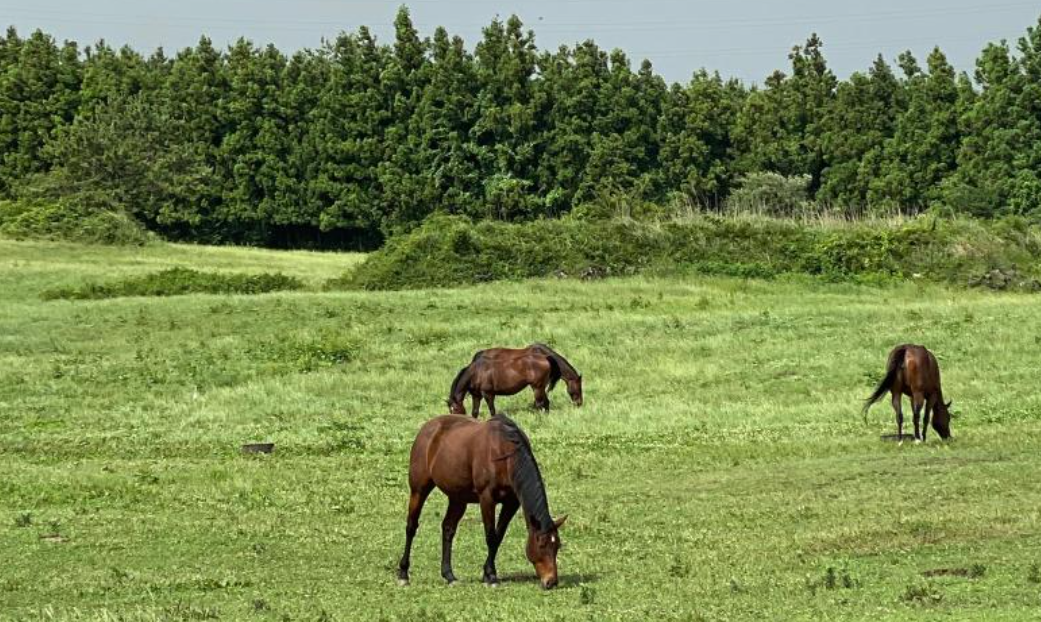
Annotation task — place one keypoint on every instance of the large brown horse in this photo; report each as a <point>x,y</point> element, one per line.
<point>488,463</point>
<point>912,370</point>
<point>506,371</point>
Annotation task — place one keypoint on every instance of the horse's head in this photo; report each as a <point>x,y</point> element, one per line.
<point>942,419</point>
<point>542,552</point>
<point>456,407</point>
<point>574,389</point>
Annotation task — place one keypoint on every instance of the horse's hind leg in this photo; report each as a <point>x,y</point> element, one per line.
<point>415,507</point>
<point>454,513</point>
<point>898,408</point>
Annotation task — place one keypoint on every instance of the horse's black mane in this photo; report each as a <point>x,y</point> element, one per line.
<point>457,382</point>
<point>527,480</point>
<point>565,369</point>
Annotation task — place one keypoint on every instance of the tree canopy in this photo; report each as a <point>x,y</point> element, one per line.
<point>358,139</point>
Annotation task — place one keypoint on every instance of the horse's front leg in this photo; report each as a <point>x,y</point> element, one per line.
<point>490,398</point>
<point>917,401</point>
<point>541,398</point>
<point>926,416</point>
<point>491,538</point>
<point>476,397</point>
<point>455,512</point>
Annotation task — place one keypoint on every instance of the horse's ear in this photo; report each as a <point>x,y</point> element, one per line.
<point>560,521</point>
<point>948,404</point>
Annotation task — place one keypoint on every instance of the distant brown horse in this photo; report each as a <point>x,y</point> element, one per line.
<point>506,371</point>
<point>488,463</point>
<point>912,370</point>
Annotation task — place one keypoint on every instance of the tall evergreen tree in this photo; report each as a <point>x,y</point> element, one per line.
<point>853,134</point>
<point>39,94</point>
<point>922,151</point>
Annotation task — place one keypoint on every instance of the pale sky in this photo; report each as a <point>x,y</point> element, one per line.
<point>746,39</point>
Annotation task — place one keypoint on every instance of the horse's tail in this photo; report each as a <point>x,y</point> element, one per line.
<point>896,361</point>
<point>554,372</point>
<point>461,379</point>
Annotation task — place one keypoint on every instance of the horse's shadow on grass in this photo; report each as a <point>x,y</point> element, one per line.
<point>565,581</point>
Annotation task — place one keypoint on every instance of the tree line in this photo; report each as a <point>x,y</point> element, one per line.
<point>357,139</point>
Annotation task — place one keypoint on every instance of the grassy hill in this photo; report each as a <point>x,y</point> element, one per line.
<point>719,470</point>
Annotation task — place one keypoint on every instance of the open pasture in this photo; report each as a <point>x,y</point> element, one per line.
<point>719,469</point>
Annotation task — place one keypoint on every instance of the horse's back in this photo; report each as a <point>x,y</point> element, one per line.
<point>444,450</point>
<point>922,371</point>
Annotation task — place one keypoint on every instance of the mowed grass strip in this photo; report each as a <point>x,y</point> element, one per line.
<point>719,470</point>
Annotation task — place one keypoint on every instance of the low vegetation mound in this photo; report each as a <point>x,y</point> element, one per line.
<point>177,282</point>
<point>449,251</point>
<point>69,221</point>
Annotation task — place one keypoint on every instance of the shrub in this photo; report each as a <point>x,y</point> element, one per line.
<point>71,220</point>
<point>176,282</point>
<point>447,251</point>
<point>770,194</point>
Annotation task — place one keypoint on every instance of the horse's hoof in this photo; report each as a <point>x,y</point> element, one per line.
<point>403,582</point>
<point>491,584</point>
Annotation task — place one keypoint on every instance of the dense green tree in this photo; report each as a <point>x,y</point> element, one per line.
<point>696,142</point>
<point>253,142</point>
<point>854,132</point>
<point>922,151</point>
<point>781,126</point>
<point>39,94</point>
<point>359,139</point>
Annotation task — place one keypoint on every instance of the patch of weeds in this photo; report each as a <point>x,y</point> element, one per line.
<point>178,282</point>
<point>25,519</point>
<point>977,570</point>
<point>679,568</point>
<point>832,579</point>
<point>586,595</point>
<point>325,350</point>
<point>736,587</point>
<point>1034,574</point>
<point>260,605</point>
<point>922,594</point>
<point>342,436</point>
<point>187,611</point>
<point>120,576</point>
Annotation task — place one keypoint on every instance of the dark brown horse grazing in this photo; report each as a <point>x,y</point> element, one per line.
<point>506,371</point>
<point>912,370</point>
<point>487,463</point>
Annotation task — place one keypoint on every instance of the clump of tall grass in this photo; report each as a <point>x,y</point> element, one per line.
<point>178,282</point>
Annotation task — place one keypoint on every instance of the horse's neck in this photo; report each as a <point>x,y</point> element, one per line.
<point>566,370</point>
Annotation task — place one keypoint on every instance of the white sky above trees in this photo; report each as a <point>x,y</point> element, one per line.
<point>746,39</point>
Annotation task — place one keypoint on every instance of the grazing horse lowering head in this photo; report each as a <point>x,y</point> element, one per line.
<point>942,419</point>
<point>574,389</point>
<point>542,552</point>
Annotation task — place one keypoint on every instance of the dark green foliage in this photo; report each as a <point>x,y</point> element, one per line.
<point>358,140</point>
<point>181,281</point>
<point>449,251</point>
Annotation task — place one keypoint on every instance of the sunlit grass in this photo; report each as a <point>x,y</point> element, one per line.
<point>719,469</point>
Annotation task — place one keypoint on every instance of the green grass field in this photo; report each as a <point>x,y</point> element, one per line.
<point>720,469</point>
